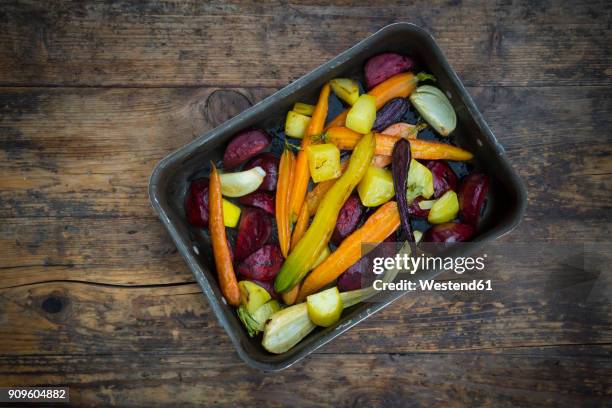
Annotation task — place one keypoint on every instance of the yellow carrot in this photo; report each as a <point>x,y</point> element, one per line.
<point>302,173</point>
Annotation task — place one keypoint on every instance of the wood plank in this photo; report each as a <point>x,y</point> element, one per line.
<point>200,43</point>
<point>542,377</point>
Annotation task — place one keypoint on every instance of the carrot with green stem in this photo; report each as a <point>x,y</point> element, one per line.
<point>221,251</point>
<point>302,172</point>
<point>283,190</point>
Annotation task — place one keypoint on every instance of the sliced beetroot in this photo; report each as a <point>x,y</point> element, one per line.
<point>244,146</point>
<point>415,210</point>
<point>254,230</point>
<point>196,203</point>
<point>259,199</point>
<point>353,277</point>
<point>263,264</point>
<point>383,66</point>
<point>449,232</point>
<point>269,163</point>
<point>444,178</point>
<point>348,219</point>
<point>472,195</point>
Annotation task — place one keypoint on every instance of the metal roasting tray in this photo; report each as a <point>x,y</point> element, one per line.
<point>170,178</point>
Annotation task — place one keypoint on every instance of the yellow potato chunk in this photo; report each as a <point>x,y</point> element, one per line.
<point>324,162</point>
<point>231,214</point>
<point>346,89</point>
<point>376,187</point>
<point>362,115</point>
<point>296,124</point>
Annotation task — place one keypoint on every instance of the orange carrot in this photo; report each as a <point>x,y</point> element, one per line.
<point>221,251</point>
<point>398,86</point>
<point>290,297</point>
<point>381,161</point>
<point>283,190</point>
<point>302,173</point>
<point>376,229</point>
<point>300,226</point>
<point>346,139</point>
<point>405,130</point>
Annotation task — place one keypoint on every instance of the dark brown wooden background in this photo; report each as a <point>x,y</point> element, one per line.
<point>94,295</point>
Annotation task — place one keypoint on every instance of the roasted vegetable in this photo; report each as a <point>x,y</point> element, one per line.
<point>449,232</point>
<point>444,209</point>
<point>231,214</point>
<point>383,66</point>
<point>269,163</point>
<point>196,203</point>
<point>403,130</point>
<point>324,162</point>
<point>389,114</point>
<point>419,210</point>
<point>348,219</point>
<point>301,259</point>
<point>472,196</point>
<point>263,264</point>
<point>296,124</point>
<point>283,192</point>
<point>346,139</point>
<point>420,181</point>
<point>252,296</point>
<point>303,108</point>
<point>300,226</point>
<point>353,277</point>
<point>444,178</point>
<point>345,89</point>
<point>325,307</point>
<point>362,115</point>
<point>255,322</point>
<point>376,187</point>
<point>221,250</point>
<point>377,227</point>
<point>241,183</point>
<point>245,145</point>
<point>254,230</point>
<point>435,108</point>
<point>268,286</point>
<point>397,86</point>
<point>259,199</point>
<point>400,169</point>
<point>302,173</point>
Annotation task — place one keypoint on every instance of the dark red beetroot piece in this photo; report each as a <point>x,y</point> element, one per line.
<point>254,230</point>
<point>259,199</point>
<point>348,219</point>
<point>444,178</point>
<point>196,203</point>
<point>263,264</point>
<point>472,195</point>
<point>383,66</point>
<point>269,163</point>
<point>415,211</point>
<point>244,145</point>
<point>360,273</point>
<point>449,232</point>
<point>389,114</point>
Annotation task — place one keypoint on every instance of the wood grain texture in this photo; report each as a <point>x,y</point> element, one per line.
<point>94,295</point>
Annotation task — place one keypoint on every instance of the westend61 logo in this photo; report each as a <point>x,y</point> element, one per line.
<point>404,263</point>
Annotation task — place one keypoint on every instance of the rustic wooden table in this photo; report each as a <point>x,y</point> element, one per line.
<point>93,294</point>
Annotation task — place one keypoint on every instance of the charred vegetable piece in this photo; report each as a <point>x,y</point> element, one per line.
<point>435,108</point>
<point>472,196</point>
<point>325,307</point>
<point>444,178</point>
<point>269,163</point>
<point>296,124</point>
<point>259,199</point>
<point>420,181</point>
<point>196,203</point>
<point>449,232</point>
<point>389,114</point>
<point>383,66</point>
<point>376,187</point>
<point>362,115</point>
<point>444,209</point>
<point>303,108</point>
<point>348,219</point>
<point>263,264</point>
<point>345,89</point>
<point>245,145</point>
<point>241,183</point>
<point>252,296</point>
<point>400,167</point>
<point>301,259</point>
<point>324,162</point>
<point>254,230</point>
